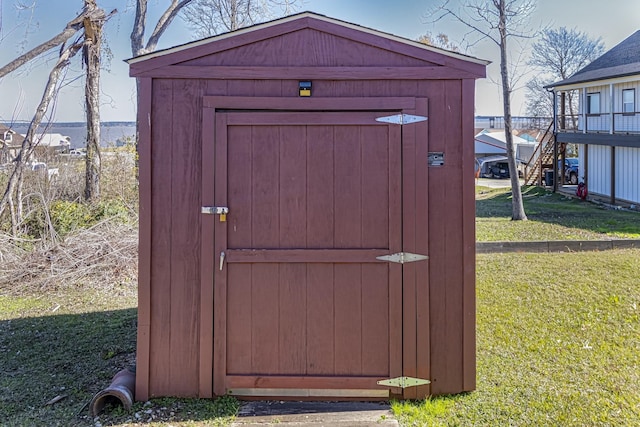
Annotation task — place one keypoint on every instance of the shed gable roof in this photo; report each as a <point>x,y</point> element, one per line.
<point>621,60</point>
<point>292,41</point>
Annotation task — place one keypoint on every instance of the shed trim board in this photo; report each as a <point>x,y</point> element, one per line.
<point>308,73</point>
<point>216,109</point>
<point>303,20</point>
<point>144,233</point>
<point>469,238</point>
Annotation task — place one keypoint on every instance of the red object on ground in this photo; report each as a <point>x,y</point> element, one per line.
<point>581,191</point>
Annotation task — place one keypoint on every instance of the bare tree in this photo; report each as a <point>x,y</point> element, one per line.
<point>539,103</point>
<point>12,193</point>
<point>91,58</point>
<point>557,55</point>
<point>210,17</point>
<point>90,20</point>
<point>440,40</point>
<point>498,21</point>
<point>138,45</point>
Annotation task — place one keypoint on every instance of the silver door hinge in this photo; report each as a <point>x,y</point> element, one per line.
<point>401,119</point>
<point>402,257</point>
<point>403,382</point>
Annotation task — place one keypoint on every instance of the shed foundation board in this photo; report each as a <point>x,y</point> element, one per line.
<point>351,414</point>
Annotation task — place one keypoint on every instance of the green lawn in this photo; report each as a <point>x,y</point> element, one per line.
<point>550,217</point>
<point>558,335</point>
<point>68,343</point>
<point>558,344</point>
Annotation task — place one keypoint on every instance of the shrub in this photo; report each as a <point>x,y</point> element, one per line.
<point>63,217</point>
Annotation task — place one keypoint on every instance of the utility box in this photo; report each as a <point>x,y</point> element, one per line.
<point>549,177</point>
<point>307,215</point>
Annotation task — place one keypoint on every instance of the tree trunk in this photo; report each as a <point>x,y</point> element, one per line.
<point>14,219</point>
<point>91,13</point>
<point>517,208</point>
<point>18,214</point>
<point>29,143</point>
<point>92,46</point>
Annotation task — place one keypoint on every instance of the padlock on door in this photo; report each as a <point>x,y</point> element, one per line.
<point>216,210</point>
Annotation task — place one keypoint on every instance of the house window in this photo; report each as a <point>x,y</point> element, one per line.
<point>593,103</point>
<point>628,100</point>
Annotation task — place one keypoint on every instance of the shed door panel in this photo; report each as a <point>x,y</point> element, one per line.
<point>314,198</point>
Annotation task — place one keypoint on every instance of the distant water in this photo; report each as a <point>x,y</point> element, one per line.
<point>110,132</point>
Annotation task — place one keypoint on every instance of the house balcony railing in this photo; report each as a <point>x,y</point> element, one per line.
<point>616,123</point>
<point>517,122</point>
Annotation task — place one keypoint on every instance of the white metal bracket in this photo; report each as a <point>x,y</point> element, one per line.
<point>401,119</point>
<point>402,257</point>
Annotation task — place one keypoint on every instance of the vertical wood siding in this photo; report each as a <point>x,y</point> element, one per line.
<point>599,169</point>
<point>468,237</point>
<point>185,235</point>
<point>161,200</point>
<point>175,242</point>
<point>628,174</point>
<point>144,233</point>
<point>446,216</point>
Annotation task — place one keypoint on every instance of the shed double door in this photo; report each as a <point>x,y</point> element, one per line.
<point>303,307</point>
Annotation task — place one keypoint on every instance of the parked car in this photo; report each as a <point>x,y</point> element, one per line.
<point>570,170</point>
<point>500,170</point>
<point>41,167</point>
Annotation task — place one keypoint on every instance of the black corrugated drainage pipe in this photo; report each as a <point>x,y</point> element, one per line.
<point>120,391</point>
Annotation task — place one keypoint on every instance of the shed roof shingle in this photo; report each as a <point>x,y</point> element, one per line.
<point>621,60</point>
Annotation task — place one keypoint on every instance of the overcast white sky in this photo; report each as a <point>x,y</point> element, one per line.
<point>613,20</point>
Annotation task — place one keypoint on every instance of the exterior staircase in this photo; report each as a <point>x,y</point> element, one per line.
<point>541,159</point>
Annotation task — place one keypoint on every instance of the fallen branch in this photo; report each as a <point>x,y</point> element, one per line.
<point>104,255</point>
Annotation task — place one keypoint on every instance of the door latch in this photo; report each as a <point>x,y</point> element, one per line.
<point>216,210</point>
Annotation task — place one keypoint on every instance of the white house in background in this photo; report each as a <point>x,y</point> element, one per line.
<point>55,141</point>
<point>607,126</point>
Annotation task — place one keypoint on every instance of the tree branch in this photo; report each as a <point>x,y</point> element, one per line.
<point>71,28</point>
<point>137,34</point>
<point>138,46</point>
<point>28,144</point>
<point>164,21</point>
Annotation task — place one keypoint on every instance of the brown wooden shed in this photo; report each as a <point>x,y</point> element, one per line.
<point>304,288</point>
